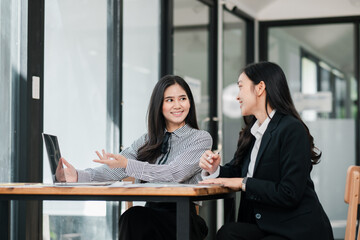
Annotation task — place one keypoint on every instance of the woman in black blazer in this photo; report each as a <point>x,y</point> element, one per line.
<point>271,166</point>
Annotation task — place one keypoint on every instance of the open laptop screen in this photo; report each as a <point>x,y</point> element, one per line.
<point>53,152</point>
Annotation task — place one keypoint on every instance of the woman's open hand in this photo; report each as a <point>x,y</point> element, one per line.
<point>233,183</point>
<point>112,160</point>
<point>68,174</point>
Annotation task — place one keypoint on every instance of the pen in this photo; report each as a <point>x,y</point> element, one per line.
<point>216,152</point>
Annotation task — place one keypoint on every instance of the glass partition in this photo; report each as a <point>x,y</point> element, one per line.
<point>234,55</point>
<point>191,55</point>
<point>75,108</point>
<point>318,63</point>
<point>308,84</point>
<point>141,57</point>
<point>9,84</point>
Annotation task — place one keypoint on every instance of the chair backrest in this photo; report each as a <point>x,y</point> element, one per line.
<point>352,191</point>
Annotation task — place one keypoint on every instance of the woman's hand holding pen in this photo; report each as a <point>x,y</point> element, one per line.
<point>210,161</point>
<point>112,160</point>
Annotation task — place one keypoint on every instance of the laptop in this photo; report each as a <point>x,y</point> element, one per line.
<point>54,155</point>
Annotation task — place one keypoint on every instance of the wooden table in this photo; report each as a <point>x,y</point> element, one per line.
<point>181,194</point>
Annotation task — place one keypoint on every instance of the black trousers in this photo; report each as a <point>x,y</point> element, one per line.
<point>157,221</point>
<point>244,231</point>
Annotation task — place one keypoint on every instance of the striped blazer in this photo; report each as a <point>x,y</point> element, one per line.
<point>181,166</point>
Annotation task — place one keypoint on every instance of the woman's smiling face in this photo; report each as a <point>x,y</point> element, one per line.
<point>175,107</point>
<point>246,97</point>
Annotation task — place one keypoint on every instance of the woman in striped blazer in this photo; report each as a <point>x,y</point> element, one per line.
<point>168,152</point>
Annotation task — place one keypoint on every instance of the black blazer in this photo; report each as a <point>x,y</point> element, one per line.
<point>280,197</point>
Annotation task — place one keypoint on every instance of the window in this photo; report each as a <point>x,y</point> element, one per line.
<point>76,108</point>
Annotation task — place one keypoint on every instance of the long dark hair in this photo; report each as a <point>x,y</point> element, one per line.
<point>150,151</point>
<point>278,97</point>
